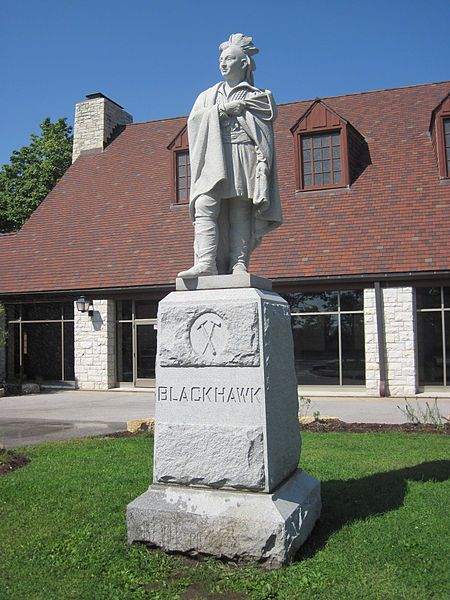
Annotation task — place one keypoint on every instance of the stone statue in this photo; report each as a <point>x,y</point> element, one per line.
<point>234,197</point>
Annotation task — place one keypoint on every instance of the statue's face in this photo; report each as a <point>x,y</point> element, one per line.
<point>232,64</point>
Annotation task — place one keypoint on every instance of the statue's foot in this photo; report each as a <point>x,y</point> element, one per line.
<point>198,270</point>
<point>239,268</point>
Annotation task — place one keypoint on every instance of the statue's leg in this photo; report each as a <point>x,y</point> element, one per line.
<point>206,238</point>
<point>240,234</point>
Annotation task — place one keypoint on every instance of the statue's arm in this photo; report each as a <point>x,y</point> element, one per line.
<point>262,105</point>
<point>198,117</point>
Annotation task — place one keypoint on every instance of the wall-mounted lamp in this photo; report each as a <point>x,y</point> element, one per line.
<point>85,305</point>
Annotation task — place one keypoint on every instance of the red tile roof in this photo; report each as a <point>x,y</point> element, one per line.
<point>110,221</point>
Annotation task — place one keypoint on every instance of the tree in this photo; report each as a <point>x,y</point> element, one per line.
<point>32,172</point>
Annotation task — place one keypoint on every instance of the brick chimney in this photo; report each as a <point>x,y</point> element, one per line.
<point>95,120</point>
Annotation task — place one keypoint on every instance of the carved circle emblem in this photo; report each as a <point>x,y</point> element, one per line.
<point>208,335</point>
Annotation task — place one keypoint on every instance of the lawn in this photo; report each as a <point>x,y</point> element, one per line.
<point>384,533</point>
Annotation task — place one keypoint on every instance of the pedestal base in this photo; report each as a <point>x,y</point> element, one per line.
<point>268,528</point>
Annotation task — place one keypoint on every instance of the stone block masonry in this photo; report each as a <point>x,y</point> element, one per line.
<point>2,349</point>
<point>399,341</point>
<point>398,308</point>
<point>227,440</point>
<point>95,121</point>
<point>371,343</point>
<point>95,362</point>
<point>227,385</point>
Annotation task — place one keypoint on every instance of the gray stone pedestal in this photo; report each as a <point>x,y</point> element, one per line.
<point>269,528</point>
<point>227,439</point>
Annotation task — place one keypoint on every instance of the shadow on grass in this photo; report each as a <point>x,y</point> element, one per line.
<point>356,499</point>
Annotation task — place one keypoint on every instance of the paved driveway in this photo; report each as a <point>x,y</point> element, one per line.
<point>64,415</point>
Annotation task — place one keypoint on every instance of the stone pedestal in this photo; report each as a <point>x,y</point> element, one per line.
<point>227,439</point>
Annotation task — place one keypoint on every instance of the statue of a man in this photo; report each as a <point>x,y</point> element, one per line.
<point>234,197</point>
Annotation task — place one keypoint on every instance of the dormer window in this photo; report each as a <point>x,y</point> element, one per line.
<point>183,175</point>
<point>321,159</point>
<point>324,141</point>
<point>181,167</point>
<point>440,135</point>
<point>447,144</point>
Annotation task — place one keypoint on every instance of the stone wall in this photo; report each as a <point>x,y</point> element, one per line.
<point>371,343</point>
<point>95,120</point>
<point>2,349</point>
<point>400,342</point>
<point>95,362</point>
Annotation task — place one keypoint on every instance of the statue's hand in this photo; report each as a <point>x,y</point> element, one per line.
<point>262,169</point>
<point>234,108</point>
<point>261,192</point>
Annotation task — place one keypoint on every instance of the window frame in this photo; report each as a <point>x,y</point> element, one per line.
<point>338,312</point>
<point>179,145</point>
<point>175,154</point>
<point>441,114</point>
<point>342,130</point>
<point>445,156</point>
<point>20,321</point>
<point>442,310</point>
<point>134,321</point>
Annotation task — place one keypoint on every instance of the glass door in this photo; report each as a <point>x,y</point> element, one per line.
<point>145,354</point>
<point>136,342</point>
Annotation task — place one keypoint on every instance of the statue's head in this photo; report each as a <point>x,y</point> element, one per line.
<point>236,62</point>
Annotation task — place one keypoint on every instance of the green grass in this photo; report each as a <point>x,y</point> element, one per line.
<point>384,533</point>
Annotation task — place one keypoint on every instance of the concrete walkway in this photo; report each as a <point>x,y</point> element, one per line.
<point>62,415</point>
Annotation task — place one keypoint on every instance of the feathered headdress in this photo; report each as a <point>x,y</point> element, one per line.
<point>244,43</point>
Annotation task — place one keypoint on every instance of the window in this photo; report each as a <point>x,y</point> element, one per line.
<point>41,341</point>
<point>447,144</point>
<point>324,145</point>
<point>183,176</point>
<point>321,159</point>
<point>440,135</point>
<point>433,335</point>
<point>328,332</point>
<point>181,167</point>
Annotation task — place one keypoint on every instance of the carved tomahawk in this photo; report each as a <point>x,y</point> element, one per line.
<point>208,336</point>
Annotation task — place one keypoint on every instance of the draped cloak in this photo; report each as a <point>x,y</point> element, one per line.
<point>207,156</point>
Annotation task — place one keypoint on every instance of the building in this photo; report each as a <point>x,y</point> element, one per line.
<point>363,256</point>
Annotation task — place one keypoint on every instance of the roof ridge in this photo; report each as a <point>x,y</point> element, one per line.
<point>156,120</point>
<point>404,87</point>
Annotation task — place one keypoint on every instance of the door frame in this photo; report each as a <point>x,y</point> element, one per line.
<point>141,381</point>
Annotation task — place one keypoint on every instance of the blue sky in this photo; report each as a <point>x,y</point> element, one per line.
<point>153,57</point>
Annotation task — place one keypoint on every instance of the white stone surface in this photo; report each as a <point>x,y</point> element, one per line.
<point>214,282</point>
<point>399,341</point>
<point>236,402</point>
<point>95,366</point>
<point>268,528</point>
<point>209,331</point>
<point>234,456</point>
<point>2,348</point>
<point>281,394</point>
<point>95,120</point>
<point>399,319</point>
<point>234,201</point>
<point>371,343</point>
<point>30,388</point>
